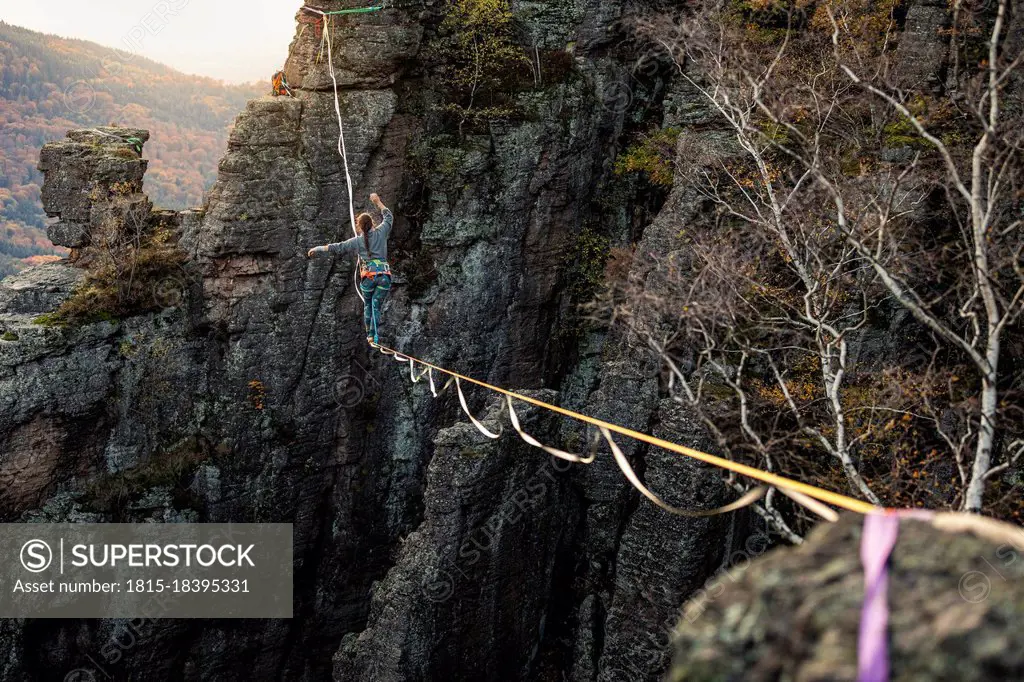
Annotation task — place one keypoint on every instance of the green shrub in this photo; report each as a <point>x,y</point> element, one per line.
<point>586,261</point>
<point>476,61</point>
<point>902,133</point>
<point>653,156</point>
<point>437,158</point>
<point>9,336</point>
<point>420,270</point>
<point>121,282</point>
<point>49,320</point>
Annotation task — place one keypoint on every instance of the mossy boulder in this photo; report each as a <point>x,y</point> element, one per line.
<point>956,605</point>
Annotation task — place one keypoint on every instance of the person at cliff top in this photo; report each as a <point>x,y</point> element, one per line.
<point>375,274</point>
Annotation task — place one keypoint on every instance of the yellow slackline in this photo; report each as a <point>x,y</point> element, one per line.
<point>781,482</point>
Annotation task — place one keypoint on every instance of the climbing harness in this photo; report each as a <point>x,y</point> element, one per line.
<point>135,142</point>
<point>372,268</point>
<point>792,488</point>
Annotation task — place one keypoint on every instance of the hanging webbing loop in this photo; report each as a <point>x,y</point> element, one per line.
<point>465,408</point>
<point>627,470</point>
<point>554,452</point>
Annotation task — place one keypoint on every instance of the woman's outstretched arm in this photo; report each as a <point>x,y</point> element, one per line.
<point>349,244</point>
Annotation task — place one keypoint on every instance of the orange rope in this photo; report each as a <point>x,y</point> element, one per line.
<point>837,499</point>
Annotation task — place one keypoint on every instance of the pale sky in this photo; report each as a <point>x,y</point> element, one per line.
<point>234,40</point>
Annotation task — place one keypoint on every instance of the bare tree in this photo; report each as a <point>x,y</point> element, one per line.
<point>836,198</point>
<point>979,186</point>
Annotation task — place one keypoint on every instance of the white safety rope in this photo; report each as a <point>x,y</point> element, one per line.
<point>342,149</point>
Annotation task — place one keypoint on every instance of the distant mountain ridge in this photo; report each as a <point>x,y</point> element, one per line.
<point>50,84</point>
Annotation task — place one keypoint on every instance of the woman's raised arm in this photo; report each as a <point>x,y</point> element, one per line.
<point>389,218</point>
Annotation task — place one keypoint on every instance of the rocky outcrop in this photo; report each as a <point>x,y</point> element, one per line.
<point>84,173</point>
<point>493,535</point>
<point>39,289</point>
<point>923,46</point>
<point>52,388</point>
<point>953,599</point>
<point>372,52</point>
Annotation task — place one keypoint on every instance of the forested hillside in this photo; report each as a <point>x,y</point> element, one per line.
<point>50,84</point>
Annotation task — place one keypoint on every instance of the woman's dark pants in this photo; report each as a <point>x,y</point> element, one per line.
<point>375,291</point>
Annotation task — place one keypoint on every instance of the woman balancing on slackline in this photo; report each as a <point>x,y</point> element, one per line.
<point>375,274</point>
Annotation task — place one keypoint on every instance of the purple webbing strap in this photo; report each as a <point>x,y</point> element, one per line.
<point>876,545</point>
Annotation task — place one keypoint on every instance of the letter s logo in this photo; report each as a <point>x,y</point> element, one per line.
<point>36,556</point>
